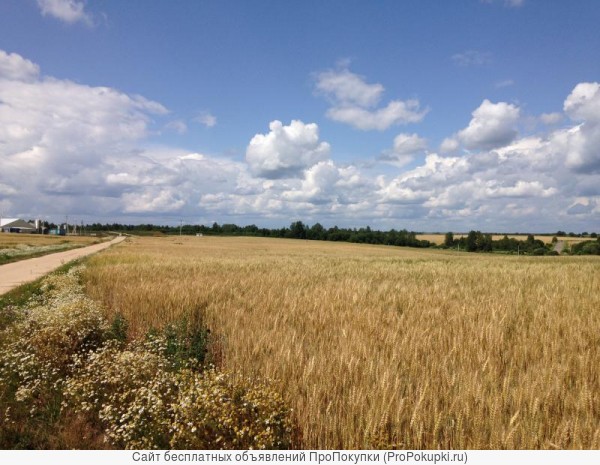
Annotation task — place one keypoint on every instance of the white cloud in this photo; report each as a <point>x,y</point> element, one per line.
<point>69,11</point>
<point>152,201</point>
<point>206,119</point>
<point>449,144</point>
<point>354,102</point>
<point>347,88</point>
<point>551,119</point>
<point>583,103</point>
<point>406,146</point>
<point>492,125</point>
<point>14,67</point>
<point>409,144</point>
<point>521,189</point>
<point>68,148</point>
<point>472,58</point>
<point>286,150</point>
<point>582,143</point>
<point>396,112</point>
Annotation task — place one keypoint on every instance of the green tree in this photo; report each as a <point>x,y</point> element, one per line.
<point>472,241</point>
<point>449,239</point>
<point>298,230</point>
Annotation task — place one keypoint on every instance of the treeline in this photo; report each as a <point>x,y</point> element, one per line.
<point>297,230</point>
<point>586,248</point>
<point>476,241</point>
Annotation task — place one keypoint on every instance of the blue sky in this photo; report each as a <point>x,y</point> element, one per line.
<point>426,115</point>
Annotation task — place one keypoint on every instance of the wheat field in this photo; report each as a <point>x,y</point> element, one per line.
<point>381,347</point>
<point>439,238</point>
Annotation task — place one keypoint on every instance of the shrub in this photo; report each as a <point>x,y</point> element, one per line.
<point>140,402</point>
<point>126,393</point>
<point>219,411</point>
<point>184,343</point>
<point>38,352</point>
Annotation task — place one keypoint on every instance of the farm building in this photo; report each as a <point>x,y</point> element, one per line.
<point>16,225</point>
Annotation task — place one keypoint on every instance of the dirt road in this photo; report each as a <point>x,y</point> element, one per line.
<point>15,274</point>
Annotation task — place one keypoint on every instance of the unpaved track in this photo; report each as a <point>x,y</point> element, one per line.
<point>24,271</point>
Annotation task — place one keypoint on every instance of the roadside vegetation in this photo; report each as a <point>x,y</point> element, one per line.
<point>71,378</point>
<point>382,347</point>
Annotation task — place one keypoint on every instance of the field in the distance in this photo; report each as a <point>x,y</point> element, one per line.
<point>11,240</point>
<point>15,247</point>
<point>439,238</point>
<point>378,346</point>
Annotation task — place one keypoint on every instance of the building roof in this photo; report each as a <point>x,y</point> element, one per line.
<point>4,221</point>
<point>15,223</point>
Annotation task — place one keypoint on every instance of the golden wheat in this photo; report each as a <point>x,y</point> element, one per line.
<point>379,346</point>
<point>439,238</point>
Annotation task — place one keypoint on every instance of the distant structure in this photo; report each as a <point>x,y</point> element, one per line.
<point>59,231</point>
<point>17,225</point>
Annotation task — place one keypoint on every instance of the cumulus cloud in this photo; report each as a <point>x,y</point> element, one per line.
<point>449,144</point>
<point>14,67</point>
<point>285,151</point>
<point>409,144</point>
<point>583,103</point>
<point>582,142</point>
<point>69,11</point>
<point>492,125</point>
<point>354,102</point>
<point>348,88</point>
<point>406,146</point>
<point>68,148</point>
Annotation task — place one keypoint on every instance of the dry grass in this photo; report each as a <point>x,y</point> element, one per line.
<point>439,238</point>
<point>380,346</point>
<point>8,240</point>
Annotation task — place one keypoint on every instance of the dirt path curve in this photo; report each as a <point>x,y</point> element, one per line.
<point>559,246</point>
<point>15,274</point>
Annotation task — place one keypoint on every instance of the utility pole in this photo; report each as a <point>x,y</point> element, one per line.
<point>180,226</point>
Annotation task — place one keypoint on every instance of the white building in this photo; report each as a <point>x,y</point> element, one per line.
<point>16,225</point>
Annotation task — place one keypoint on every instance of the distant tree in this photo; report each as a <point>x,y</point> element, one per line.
<point>316,232</point>
<point>297,230</point>
<point>449,239</point>
<point>471,245</point>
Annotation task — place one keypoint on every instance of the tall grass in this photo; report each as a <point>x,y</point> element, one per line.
<point>380,346</point>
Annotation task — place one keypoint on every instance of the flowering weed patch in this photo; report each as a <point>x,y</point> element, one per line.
<point>62,363</point>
